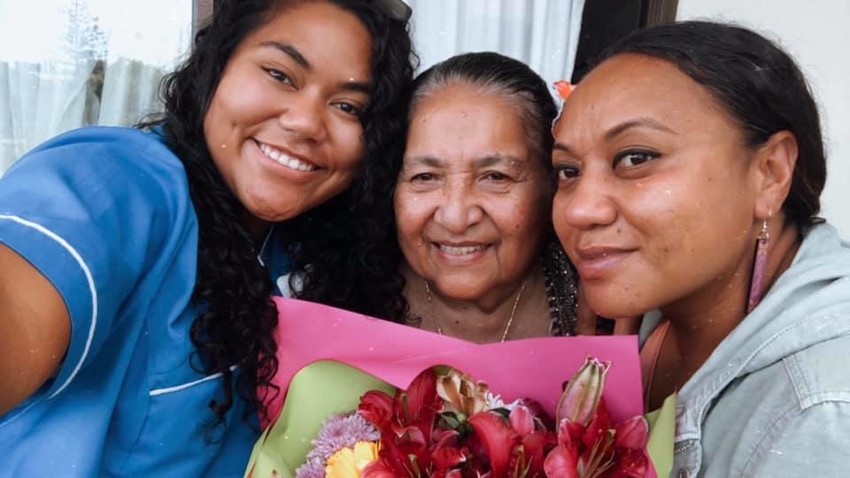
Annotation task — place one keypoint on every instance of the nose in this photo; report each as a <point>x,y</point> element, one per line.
<point>303,117</point>
<point>459,208</point>
<point>586,204</point>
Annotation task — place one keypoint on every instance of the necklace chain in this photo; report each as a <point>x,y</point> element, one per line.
<point>507,325</point>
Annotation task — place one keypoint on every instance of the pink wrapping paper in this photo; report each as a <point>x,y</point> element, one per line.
<point>529,368</point>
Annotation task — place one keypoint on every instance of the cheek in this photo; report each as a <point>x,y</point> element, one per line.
<point>688,239</point>
<point>562,230</point>
<point>525,216</point>
<point>412,213</point>
<point>349,146</point>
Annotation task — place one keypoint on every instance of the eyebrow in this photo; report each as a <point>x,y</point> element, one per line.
<point>290,51</point>
<point>298,57</point>
<point>482,162</point>
<point>642,122</point>
<point>496,158</point>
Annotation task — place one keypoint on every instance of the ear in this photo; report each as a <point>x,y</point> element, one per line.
<point>774,168</point>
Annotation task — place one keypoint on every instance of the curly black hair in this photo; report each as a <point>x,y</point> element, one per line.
<point>367,278</point>
<point>232,288</point>
<point>333,266</point>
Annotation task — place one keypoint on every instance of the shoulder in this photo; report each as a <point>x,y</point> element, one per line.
<point>819,373</point>
<point>774,421</point>
<point>119,137</point>
<point>102,167</point>
<point>102,145</point>
<point>809,438</point>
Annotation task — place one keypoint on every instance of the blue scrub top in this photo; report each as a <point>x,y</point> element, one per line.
<point>105,215</point>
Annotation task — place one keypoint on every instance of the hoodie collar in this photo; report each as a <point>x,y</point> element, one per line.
<point>790,318</point>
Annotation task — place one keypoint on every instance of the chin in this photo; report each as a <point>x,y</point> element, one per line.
<point>460,293</point>
<point>615,306</point>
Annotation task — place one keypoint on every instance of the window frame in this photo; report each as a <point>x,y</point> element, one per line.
<point>201,10</point>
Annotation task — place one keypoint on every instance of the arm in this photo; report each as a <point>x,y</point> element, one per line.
<point>35,328</point>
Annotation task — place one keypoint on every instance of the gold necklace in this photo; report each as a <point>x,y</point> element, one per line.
<point>507,326</point>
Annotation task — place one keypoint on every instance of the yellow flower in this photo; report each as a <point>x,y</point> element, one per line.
<point>350,462</point>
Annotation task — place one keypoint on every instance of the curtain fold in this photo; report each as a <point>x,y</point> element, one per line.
<point>100,61</point>
<point>87,62</point>
<point>542,33</point>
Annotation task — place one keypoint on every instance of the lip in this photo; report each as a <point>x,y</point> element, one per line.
<point>460,253</point>
<point>595,262</point>
<point>285,158</point>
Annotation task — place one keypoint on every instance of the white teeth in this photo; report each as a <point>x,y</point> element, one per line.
<point>460,251</point>
<point>285,159</point>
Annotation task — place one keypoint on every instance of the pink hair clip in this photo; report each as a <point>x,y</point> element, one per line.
<point>564,88</point>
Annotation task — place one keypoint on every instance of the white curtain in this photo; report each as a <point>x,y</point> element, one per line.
<point>542,33</point>
<point>70,63</point>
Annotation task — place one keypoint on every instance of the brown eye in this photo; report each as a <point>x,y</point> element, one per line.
<point>347,107</point>
<point>495,176</point>
<point>566,173</point>
<point>279,76</point>
<point>422,177</point>
<point>631,159</point>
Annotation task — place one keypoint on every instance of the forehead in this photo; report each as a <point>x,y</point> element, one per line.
<point>632,86</point>
<point>461,109</point>
<point>328,36</point>
<point>462,121</point>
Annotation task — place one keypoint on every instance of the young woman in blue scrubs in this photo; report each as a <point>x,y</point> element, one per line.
<point>135,263</point>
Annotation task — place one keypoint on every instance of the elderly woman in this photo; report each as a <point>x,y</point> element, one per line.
<point>458,239</point>
<point>690,164</point>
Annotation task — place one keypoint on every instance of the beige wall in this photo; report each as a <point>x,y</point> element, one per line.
<point>816,33</point>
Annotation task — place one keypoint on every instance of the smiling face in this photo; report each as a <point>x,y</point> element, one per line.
<point>470,202</point>
<point>656,190</point>
<point>283,126</point>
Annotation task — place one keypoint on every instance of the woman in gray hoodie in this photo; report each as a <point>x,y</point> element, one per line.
<point>690,164</point>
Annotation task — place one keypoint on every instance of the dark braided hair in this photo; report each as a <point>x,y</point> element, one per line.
<point>232,289</point>
<point>367,277</point>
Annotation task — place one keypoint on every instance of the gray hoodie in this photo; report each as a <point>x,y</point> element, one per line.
<point>773,399</point>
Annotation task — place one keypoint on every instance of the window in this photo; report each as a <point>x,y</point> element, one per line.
<point>542,33</point>
<point>86,62</point>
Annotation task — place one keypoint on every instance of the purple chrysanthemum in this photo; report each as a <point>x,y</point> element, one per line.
<point>336,433</point>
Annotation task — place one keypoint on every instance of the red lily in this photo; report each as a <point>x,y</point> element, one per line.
<point>600,449</point>
<point>406,423</point>
<point>498,440</point>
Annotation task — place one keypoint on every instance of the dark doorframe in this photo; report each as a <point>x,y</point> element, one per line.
<point>605,21</point>
<point>656,12</point>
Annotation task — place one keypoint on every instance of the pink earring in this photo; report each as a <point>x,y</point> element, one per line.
<point>759,267</point>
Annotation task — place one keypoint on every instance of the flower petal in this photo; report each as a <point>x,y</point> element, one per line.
<point>564,88</point>
<point>561,463</point>
<point>522,420</point>
<point>377,408</point>
<point>378,469</point>
<point>445,458</point>
<point>632,433</point>
<point>498,440</point>
<point>422,395</point>
<point>581,396</point>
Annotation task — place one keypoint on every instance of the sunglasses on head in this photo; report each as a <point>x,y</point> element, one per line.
<point>395,9</point>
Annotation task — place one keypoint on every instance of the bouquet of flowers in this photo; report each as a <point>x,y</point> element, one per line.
<point>447,425</point>
<point>375,405</point>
